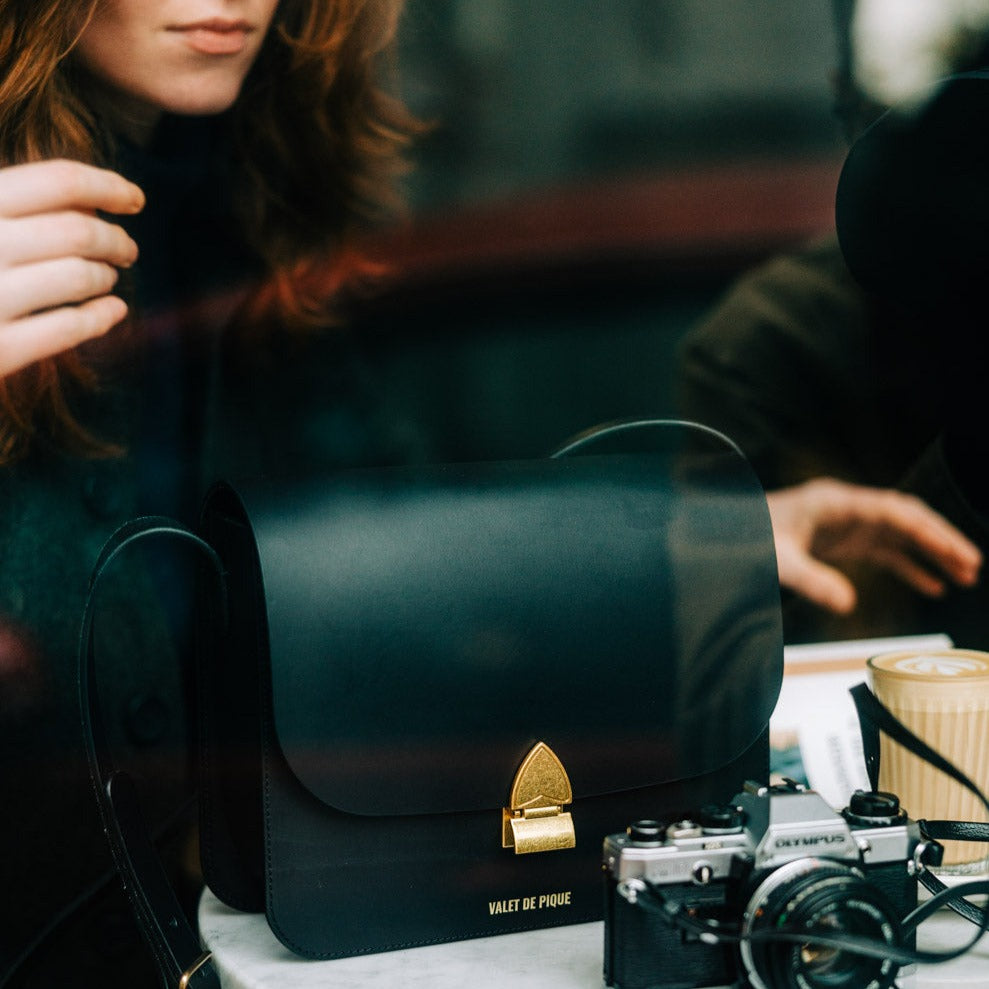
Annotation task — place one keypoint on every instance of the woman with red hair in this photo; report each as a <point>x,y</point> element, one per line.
<point>181,186</point>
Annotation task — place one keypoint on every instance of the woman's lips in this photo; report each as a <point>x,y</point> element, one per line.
<point>215,37</point>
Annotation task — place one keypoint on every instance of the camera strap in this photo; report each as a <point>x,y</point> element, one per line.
<point>650,897</point>
<point>875,718</point>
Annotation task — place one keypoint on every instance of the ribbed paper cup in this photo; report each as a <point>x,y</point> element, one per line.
<point>942,696</point>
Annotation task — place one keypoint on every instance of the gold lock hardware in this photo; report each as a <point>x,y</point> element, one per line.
<point>535,820</point>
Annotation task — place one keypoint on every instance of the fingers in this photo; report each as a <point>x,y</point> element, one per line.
<point>57,330</point>
<point>909,571</point>
<point>52,186</point>
<point>814,580</point>
<point>51,235</point>
<point>904,525</point>
<point>41,286</point>
<point>59,258</point>
<point>932,535</point>
<point>826,520</point>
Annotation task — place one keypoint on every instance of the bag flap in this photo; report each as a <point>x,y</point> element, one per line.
<point>426,627</point>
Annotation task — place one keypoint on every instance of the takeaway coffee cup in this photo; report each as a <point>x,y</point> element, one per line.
<point>942,696</point>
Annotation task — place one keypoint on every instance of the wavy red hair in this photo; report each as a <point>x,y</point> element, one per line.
<point>319,142</point>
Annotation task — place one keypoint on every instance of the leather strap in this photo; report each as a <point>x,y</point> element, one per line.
<point>875,718</point>
<point>955,830</point>
<point>175,947</point>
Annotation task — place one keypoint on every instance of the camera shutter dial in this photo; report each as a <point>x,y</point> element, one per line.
<point>721,819</point>
<point>873,808</point>
<point>646,833</point>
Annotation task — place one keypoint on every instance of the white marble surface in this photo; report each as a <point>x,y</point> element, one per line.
<point>249,957</point>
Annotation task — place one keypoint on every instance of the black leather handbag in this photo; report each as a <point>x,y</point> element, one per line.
<point>428,694</point>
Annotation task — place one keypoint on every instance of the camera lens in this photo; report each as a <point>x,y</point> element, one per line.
<point>824,898</point>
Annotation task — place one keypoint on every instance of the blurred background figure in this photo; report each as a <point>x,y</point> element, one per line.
<point>590,190</point>
<point>819,377</point>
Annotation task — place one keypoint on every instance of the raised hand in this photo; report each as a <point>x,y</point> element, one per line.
<point>823,522</point>
<point>58,258</point>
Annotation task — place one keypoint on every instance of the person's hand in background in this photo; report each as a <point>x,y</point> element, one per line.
<point>824,521</point>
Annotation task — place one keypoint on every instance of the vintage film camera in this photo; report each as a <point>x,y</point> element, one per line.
<point>722,899</point>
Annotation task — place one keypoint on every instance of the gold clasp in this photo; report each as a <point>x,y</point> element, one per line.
<point>535,820</point>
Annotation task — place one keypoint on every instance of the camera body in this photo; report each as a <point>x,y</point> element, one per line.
<point>773,855</point>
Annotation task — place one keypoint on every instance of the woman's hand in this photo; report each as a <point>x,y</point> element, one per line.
<point>58,259</point>
<point>824,522</point>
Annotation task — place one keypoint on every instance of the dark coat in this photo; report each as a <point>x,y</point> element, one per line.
<point>813,377</point>
<point>274,404</point>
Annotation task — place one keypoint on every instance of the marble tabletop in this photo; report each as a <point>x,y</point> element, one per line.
<point>248,956</point>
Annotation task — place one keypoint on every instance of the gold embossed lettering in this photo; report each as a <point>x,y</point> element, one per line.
<point>545,901</point>
<point>503,906</point>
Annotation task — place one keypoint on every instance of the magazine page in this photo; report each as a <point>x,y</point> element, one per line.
<point>814,731</point>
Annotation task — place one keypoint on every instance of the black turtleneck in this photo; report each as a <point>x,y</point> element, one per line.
<point>190,247</point>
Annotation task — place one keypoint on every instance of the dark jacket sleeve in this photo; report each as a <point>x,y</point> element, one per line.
<point>812,377</point>
<point>789,366</point>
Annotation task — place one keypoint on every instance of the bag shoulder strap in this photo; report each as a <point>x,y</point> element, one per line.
<point>176,949</point>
